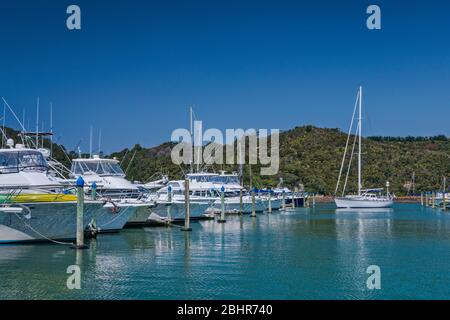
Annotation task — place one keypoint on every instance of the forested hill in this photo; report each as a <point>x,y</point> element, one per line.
<point>311,157</point>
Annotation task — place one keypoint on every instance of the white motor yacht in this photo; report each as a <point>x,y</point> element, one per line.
<point>124,201</point>
<point>33,205</point>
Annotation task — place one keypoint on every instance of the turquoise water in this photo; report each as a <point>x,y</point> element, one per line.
<point>316,253</point>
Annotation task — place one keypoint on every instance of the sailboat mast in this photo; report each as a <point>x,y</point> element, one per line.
<point>360,139</point>
<point>90,143</point>
<point>99,140</point>
<point>51,129</point>
<point>37,123</point>
<point>4,118</point>
<point>192,139</point>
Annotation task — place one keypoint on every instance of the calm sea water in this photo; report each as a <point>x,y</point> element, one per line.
<point>316,253</point>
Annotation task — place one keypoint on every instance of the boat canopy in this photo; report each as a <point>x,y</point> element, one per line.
<point>16,160</point>
<point>102,167</point>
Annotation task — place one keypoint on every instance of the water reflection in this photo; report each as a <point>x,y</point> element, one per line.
<point>360,234</point>
<point>303,254</point>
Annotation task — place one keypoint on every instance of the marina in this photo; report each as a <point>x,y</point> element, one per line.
<point>211,235</point>
<point>226,153</point>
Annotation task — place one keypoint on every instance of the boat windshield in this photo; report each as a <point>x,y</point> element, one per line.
<point>231,179</point>
<point>102,168</point>
<point>201,178</point>
<point>27,160</point>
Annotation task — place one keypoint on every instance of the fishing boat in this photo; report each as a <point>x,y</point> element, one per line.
<point>366,198</point>
<point>209,186</point>
<point>124,200</point>
<point>33,205</point>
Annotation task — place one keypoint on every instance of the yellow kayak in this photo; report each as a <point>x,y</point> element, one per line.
<point>37,197</point>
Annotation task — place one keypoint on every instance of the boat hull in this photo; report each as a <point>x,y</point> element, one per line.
<point>140,216</point>
<point>259,206</point>
<point>274,203</point>
<point>113,218</point>
<point>362,203</point>
<point>44,221</point>
<point>233,205</point>
<point>177,210</point>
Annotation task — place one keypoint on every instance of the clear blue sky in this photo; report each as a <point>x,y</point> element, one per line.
<point>136,66</point>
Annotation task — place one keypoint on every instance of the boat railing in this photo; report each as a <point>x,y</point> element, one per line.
<point>9,192</point>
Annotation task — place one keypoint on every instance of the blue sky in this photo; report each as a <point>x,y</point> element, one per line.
<point>136,66</point>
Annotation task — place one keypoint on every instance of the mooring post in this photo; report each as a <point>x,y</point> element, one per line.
<point>283,201</point>
<point>314,200</point>
<point>293,200</point>
<point>270,201</point>
<point>433,200</point>
<point>169,204</point>
<point>253,204</point>
<point>94,191</point>
<point>80,207</point>
<point>93,228</point>
<point>421,198</point>
<point>187,207</point>
<point>444,206</point>
<point>241,209</point>
<point>222,203</point>
<point>443,196</point>
<point>426,199</point>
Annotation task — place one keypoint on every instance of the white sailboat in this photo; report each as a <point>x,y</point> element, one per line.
<point>366,198</point>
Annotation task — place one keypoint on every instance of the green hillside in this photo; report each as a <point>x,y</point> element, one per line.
<point>311,157</point>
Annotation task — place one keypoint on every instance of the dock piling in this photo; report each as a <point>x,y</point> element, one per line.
<point>94,191</point>
<point>80,211</point>
<point>283,201</point>
<point>169,205</point>
<point>253,214</point>
<point>222,203</point>
<point>433,200</point>
<point>293,200</point>
<point>241,209</point>
<point>270,201</point>
<point>444,205</point>
<point>93,225</point>
<point>187,207</point>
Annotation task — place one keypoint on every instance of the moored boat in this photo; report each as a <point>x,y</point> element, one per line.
<point>124,200</point>
<point>33,205</point>
<point>369,198</point>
